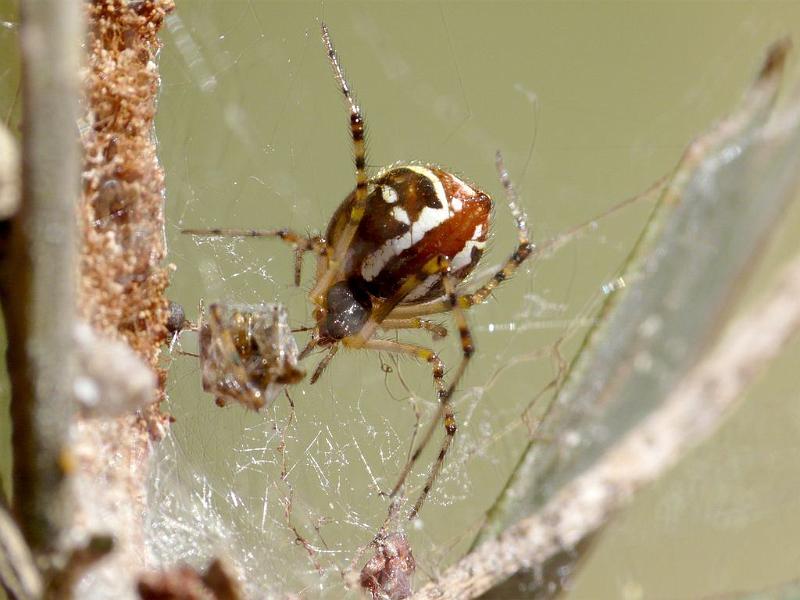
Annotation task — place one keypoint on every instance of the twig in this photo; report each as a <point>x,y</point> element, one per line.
<point>122,283</point>
<point>9,174</point>
<point>61,585</point>
<point>691,412</point>
<point>18,574</point>
<point>702,194</point>
<point>38,283</point>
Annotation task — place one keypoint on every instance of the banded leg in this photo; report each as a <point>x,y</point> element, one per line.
<point>324,363</point>
<point>522,252</point>
<point>457,304</point>
<point>301,243</point>
<point>419,352</point>
<point>524,247</point>
<point>446,407</point>
<point>445,413</point>
<point>298,265</point>
<point>360,157</point>
<point>438,331</point>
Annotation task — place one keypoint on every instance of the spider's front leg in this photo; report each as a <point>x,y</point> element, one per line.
<point>337,254</point>
<point>300,243</point>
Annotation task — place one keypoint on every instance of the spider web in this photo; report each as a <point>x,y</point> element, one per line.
<point>253,134</point>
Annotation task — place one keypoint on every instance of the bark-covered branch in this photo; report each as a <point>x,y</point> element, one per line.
<point>647,385</point>
<point>39,274</point>
<point>83,284</point>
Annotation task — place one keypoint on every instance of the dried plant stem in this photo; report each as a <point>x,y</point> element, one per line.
<point>575,398</point>
<point>18,574</point>
<point>94,257</point>
<point>38,279</point>
<point>122,278</point>
<point>691,412</point>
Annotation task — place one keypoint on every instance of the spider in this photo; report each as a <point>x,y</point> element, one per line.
<point>395,251</point>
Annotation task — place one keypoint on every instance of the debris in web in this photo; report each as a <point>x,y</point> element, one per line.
<point>247,353</point>
<point>388,573</point>
<point>295,496</point>
<point>184,582</point>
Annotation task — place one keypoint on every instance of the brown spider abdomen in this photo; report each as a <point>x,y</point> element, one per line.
<point>414,214</point>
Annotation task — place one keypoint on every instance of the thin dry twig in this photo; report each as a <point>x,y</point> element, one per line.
<point>9,174</point>
<point>692,411</point>
<point>18,573</point>
<point>573,399</point>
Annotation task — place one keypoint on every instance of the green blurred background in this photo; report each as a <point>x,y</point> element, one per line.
<point>253,133</point>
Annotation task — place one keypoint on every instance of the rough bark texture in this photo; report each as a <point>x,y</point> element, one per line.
<point>122,273</point>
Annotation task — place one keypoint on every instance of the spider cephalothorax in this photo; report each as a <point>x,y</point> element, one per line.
<point>396,250</point>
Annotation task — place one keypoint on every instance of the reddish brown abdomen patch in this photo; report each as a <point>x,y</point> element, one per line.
<point>415,214</point>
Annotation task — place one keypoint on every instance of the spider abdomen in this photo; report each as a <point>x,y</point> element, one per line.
<point>414,214</point>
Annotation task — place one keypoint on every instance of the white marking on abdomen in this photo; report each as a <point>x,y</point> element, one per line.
<point>463,258</point>
<point>389,194</point>
<point>423,288</point>
<point>399,213</point>
<point>374,262</point>
<point>428,218</point>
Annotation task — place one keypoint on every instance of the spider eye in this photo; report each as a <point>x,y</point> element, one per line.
<point>348,309</point>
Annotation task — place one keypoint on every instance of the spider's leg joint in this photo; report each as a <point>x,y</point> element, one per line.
<point>353,341</point>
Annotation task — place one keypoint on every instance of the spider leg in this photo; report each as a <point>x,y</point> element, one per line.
<point>312,343</point>
<point>358,207</point>
<point>457,304</point>
<point>438,264</point>
<point>523,250</point>
<point>431,307</point>
<point>446,408</point>
<point>438,331</point>
<point>324,363</point>
<point>419,352</point>
<point>298,265</point>
<point>301,243</point>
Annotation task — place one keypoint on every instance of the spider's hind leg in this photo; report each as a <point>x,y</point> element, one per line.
<point>446,413</point>
<point>522,251</point>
